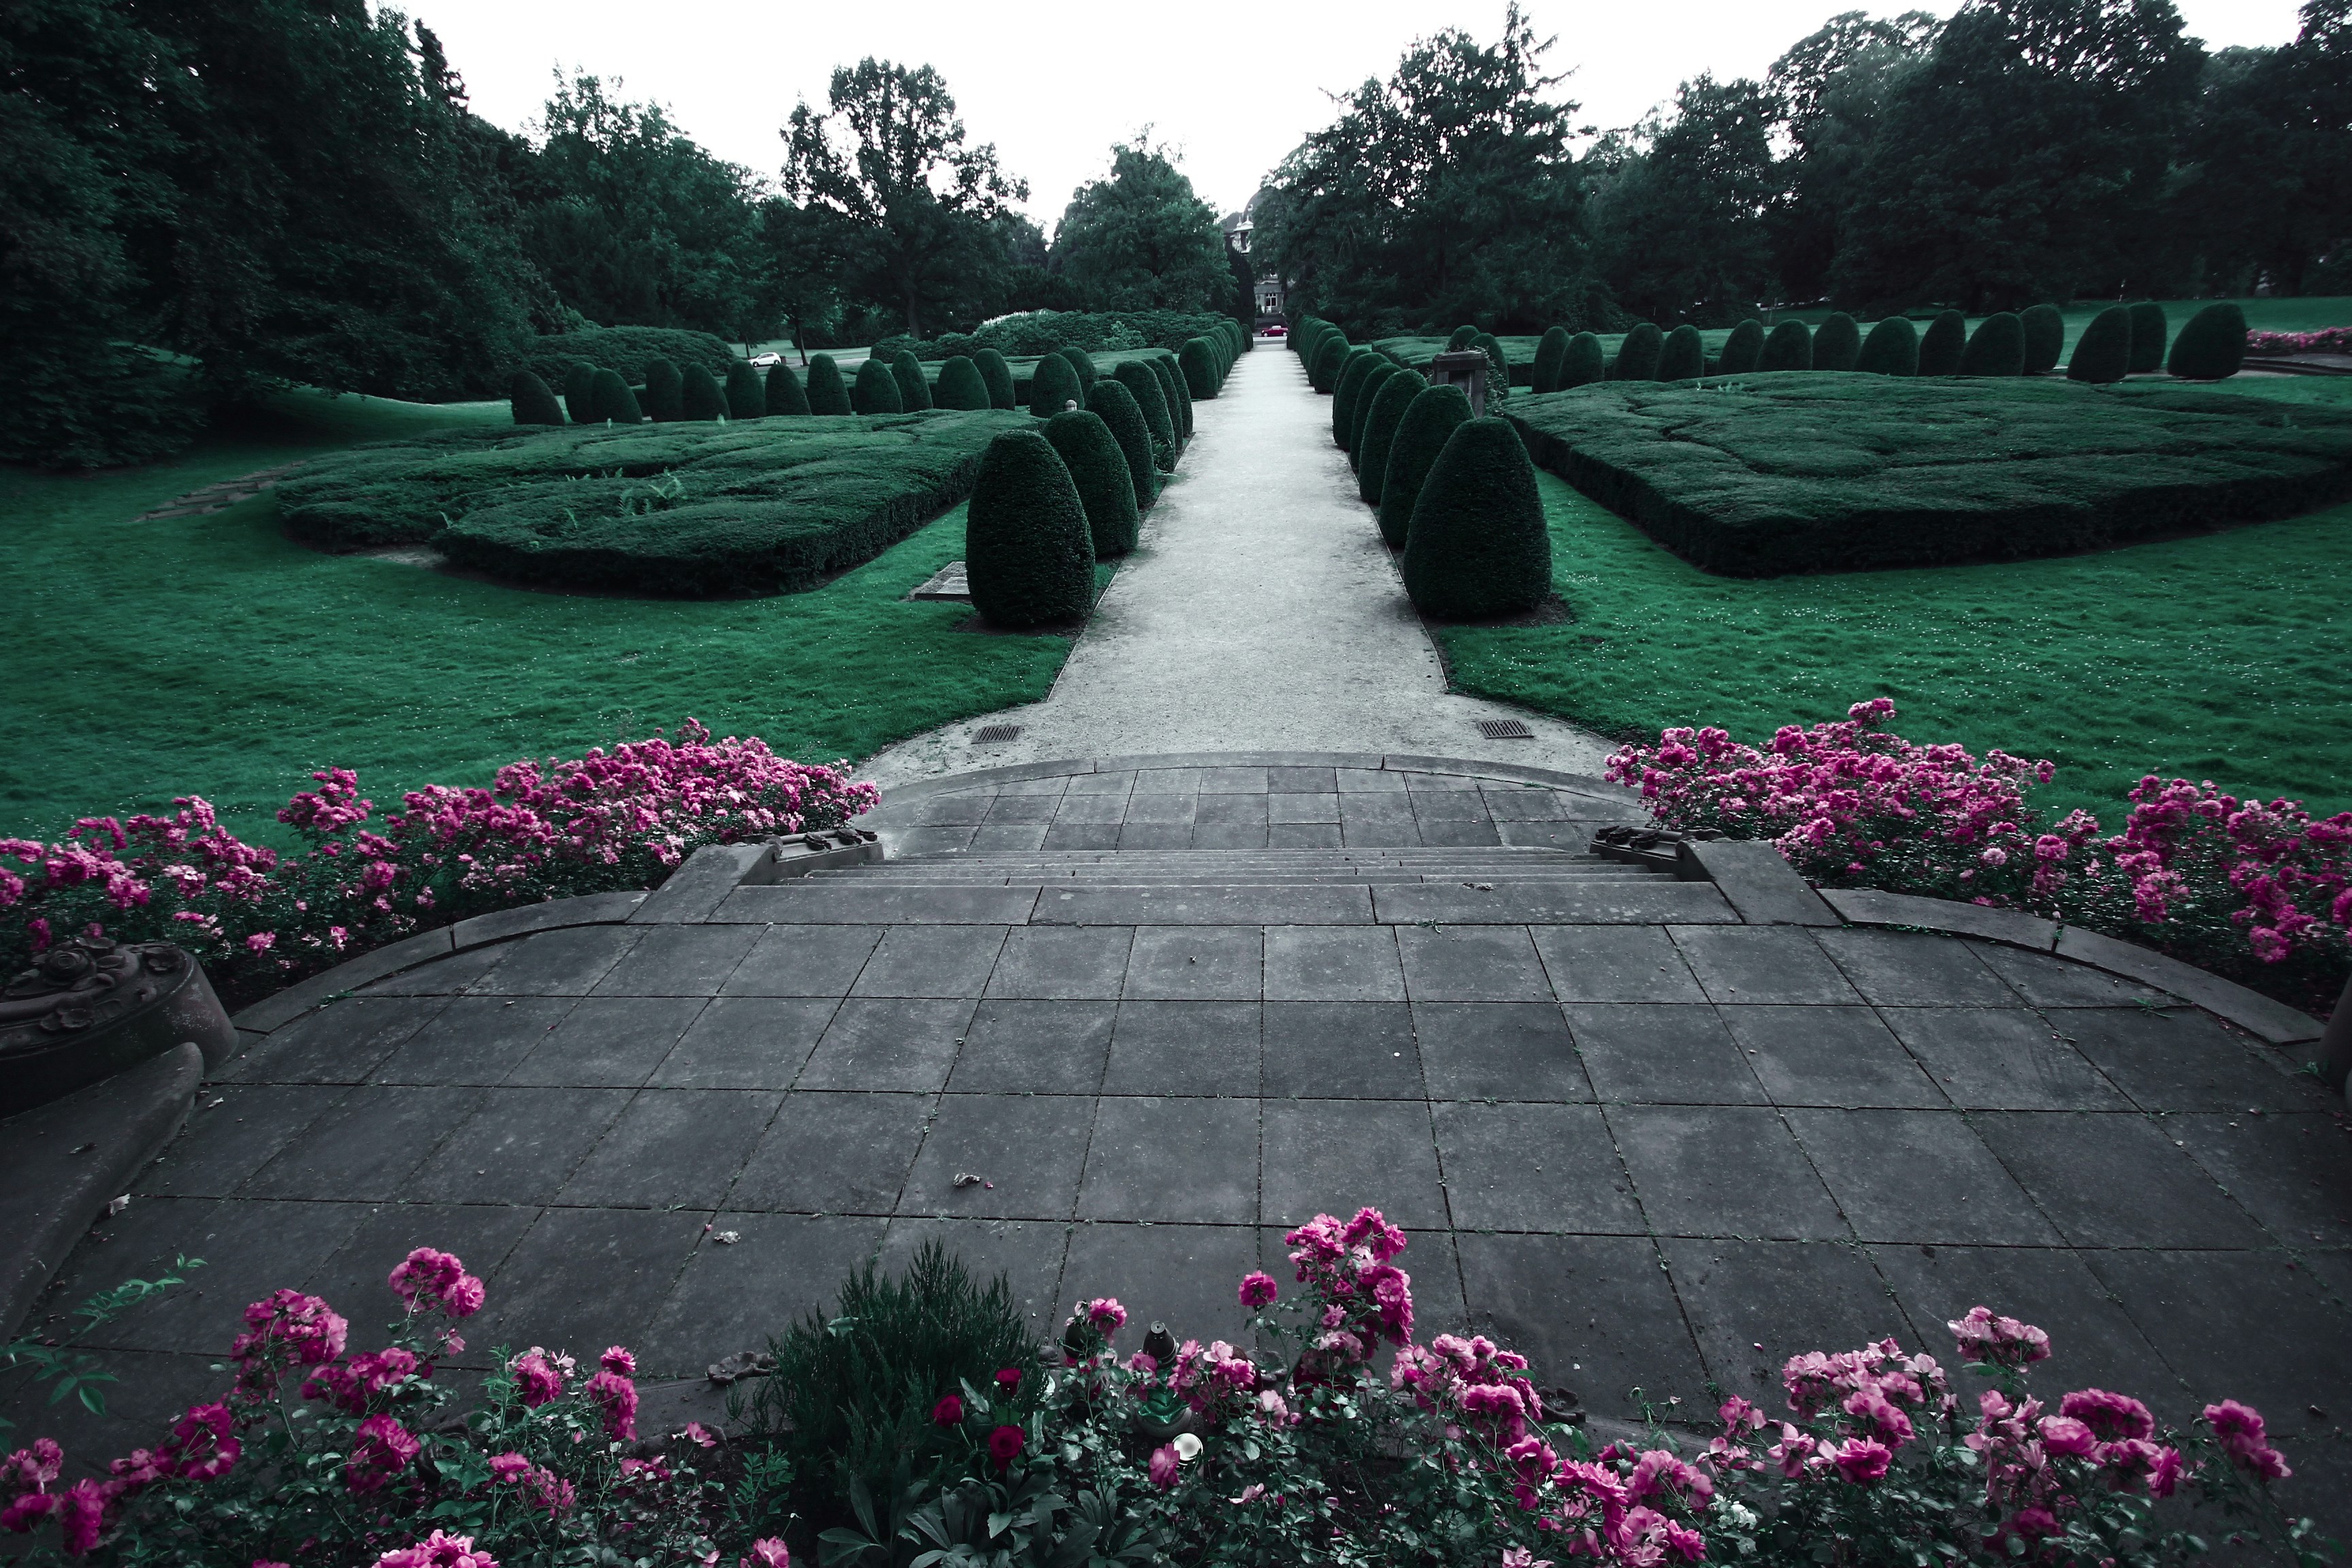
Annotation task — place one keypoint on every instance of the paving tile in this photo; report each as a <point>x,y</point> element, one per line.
<point>519,1146</point>
<point>1082,836</point>
<point>607,1042</point>
<point>931,960</point>
<point>2000,1060</point>
<point>1236,810</point>
<point>1370,810</point>
<point>1829,1055</point>
<point>1026,1253</point>
<point>1526,1292</point>
<point>1230,834</point>
<point>249,1249</point>
<point>732,1297</point>
<point>1093,810</point>
<point>1156,836</point>
<point>1418,781</point>
<point>1471,963</point>
<point>340,1042</point>
<point>1722,1171</point>
<point>1498,1050</point>
<point>965,809</point>
<point>1168,781</point>
<point>1518,803</point>
<point>1185,1047</point>
<point>1340,1050</point>
<point>1762,963</point>
<point>1788,1296</point>
<point>747,1042</point>
<point>2051,981</point>
<point>1457,834</point>
<point>634,1256</point>
<point>1907,969</point>
<point>1303,807</point>
<point>1334,1156</point>
<point>673,1147</point>
<point>2115,1181</point>
<point>563,963</point>
<point>2182,1059</point>
<point>1615,963</point>
<point>1449,805</point>
<point>1332,963</point>
<point>1368,780</point>
<point>1533,1167</point>
<point>1232,781</point>
<point>1115,783</point>
<point>1673,1054</point>
<point>354,1278</point>
<point>1185,1275</point>
<point>1022,809</point>
<point>1197,962</point>
<point>449,976</point>
<point>1918,1176</point>
<point>888,1045</point>
<point>1010,836</point>
<point>1194,1160</point>
<point>1324,904</point>
<point>1172,810</point>
<point>1577,835</point>
<point>2197,1307</point>
<point>679,961</point>
<point>366,1147</point>
<point>1357,832</point>
<point>1647,902</point>
<point>1034,1048</point>
<point>1058,962</point>
<point>1302,781</point>
<point>225,1142</point>
<point>475,1039</point>
<point>831,1152</point>
<point>1303,834</point>
<point>928,840</point>
<point>804,960</point>
<point>1031,1147</point>
<point>2293,1172</point>
<point>806,902</point>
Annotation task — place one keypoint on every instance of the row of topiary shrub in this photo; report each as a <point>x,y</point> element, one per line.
<point>627,350</point>
<point>1035,333</point>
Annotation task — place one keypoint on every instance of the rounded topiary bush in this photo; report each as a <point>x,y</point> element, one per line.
<point>1367,394</point>
<point>914,388</point>
<point>610,399</point>
<point>580,392</point>
<point>2045,338</point>
<point>1171,386</point>
<point>1585,363</point>
<point>1790,347</point>
<point>1152,400</point>
<point>699,395</point>
<point>1892,349</point>
<point>1684,358</point>
<point>960,385</point>
<point>1461,338</point>
<point>1837,342</point>
<point>2103,353</point>
<point>1477,545</point>
<point>1081,362</point>
<point>2211,346</point>
<point>1027,551</point>
<point>1996,348</point>
<point>826,393</point>
<point>1098,467</point>
<point>1420,435</point>
<point>1943,344</point>
<point>1053,385</point>
<point>1199,363</point>
<point>1638,356</point>
<point>785,395</point>
<point>1323,372</point>
<point>747,396</point>
<point>1112,400</point>
<point>1343,394</point>
<point>1551,354</point>
<point>1743,351</point>
<point>1498,367</point>
<point>876,390</point>
<point>998,375</point>
<point>2149,331</point>
<point>1379,428</point>
<point>533,400</point>
<point>664,390</point>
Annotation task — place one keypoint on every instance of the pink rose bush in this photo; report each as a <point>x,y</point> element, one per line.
<point>2325,341</point>
<point>259,919</point>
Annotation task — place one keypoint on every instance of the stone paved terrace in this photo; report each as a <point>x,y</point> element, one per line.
<point>1163,1012</point>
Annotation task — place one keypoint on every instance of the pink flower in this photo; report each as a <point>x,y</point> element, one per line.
<point>619,1361</point>
<point>2066,1436</point>
<point>381,1449</point>
<point>82,1514</point>
<point>286,1325</point>
<point>200,1448</point>
<point>699,1435</point>
<point>2110,1415</point>
<point>1004,1445</point>
<point>949,1410</point>
<point>2036,1523</point>
<point>438,1551</point>
<point>1861,1460</point>
<point>769,1553</point>
<point>1106,1315</point>
<point>536,1378</point>
<point>1164,1467</point>
<point>1008,1380</point>
<point>616,1397</point>
<point>1999,1342</point>
<point>1520,1557</point>
<point>430,1280</point>
<point>1258,1289</point>
<point>33,1469</point>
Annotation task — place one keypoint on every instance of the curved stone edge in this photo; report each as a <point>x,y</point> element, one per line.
<point>2258,1015</point>
<point>1375,762</point>
<point>50,1197</point>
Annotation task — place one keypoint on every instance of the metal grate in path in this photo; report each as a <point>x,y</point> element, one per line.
<point>1505,730</point>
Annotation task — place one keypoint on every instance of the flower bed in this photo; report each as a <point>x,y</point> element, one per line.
<point>2261,892</point>
<point>2325,341</point>
<point>261,920</point>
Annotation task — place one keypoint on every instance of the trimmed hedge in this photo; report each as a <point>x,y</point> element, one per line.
<point>2045,338</point>
<point>1198,362</point>
<point>1821,472</point>
<point>826,393</point>
<point>1429,419</point>
<point>1638,354</point>
<point>1743,351</point>
<point>1367,391</point>
<point>532,402</point>
<point>2103,353</point>
<point>2212,346</point>
<point>1460,338</point>
<point>1837,342</point>
<point>1053,385</point>
<point>914,387</point>
<point>700,398</point>
<point>960,385</point>
<point>1943,344</point>
<point>580,393</point>
<point>876,390</point>
<point>1099,468</point>
<point>1478,545</point>
<point>1551,355</point>
<point>999,378</point>
<point>610,399</point>
<point>1027,551</point>
<point>1171,386</point>
<point>1892,349</point>
<point>1116,405</point>
<point>1343,394</point>
<point>2149,331</point>
<point>1083,362</point>
<point>1996,348</point>
<point>1684,357</point>
<point>1396,395</point>
<point>1585,363</point>
<point>1151,398</point>
<point>747,396</point>
<point>1323,372</point>
<point>785,395</point>
<point>1790,347</point>
<point>664,399</point>
<point>627,350</point>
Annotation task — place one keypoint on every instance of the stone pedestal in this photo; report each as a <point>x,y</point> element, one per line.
<point>91,1007</point>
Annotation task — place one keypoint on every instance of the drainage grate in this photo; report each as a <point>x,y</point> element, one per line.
<point>989,734</point>
<point>1505,730</point>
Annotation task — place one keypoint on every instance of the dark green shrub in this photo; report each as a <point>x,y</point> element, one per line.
<point>1367,391</point>
<point>580,392</point>
<point>664,397</point>
<point>826,393</point>
<point>699,398</point>
<point>1171,386</point>
<point>1837,342</point>
<point>999,378</point>
<point>1027,549</point>
<point>914,389</point>
<point>1420,435</point>
<point>610,399</point>
<point>1790,347</point>
<point>1396,395</point>
<point>1053,385</point>
<point>2045,338</point>
<point>627,350</point>
<point>747,397</point>
<point>1638,356</point>
<point>960,385</point>
<point>1997,347</point>
<point>532,402</point>
<point>1461,338</point>
<point>1343,395</point>
<point>1152,399</point>
<point>1551,354</point>
<point>1892,349</point>
<point>1477,544</point>
<point>1115,405</point>
<point>1498,367</point>
<point>1585,363</point>
<point>2149,331</point>
<point>1083,362</point>
<point>876,390</point>
<point>1743,351</point>
<point>2103,353</point>
<point>1098,467</point>
<point>1323,371</point>
<point>785,395</point>
<point>1198,362</point>
<point>1943,344</point>
<point>1684,358</point>
<point>2211,346</point>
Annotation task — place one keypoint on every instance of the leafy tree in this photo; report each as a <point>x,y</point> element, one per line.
<point>1678,211</point>
<point>1141,240</point>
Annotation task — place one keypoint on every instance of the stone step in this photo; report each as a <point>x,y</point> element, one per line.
<point>1219,859</point>
<point>1263,879</point>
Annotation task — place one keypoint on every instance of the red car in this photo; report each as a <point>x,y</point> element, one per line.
<point>1277,331</point>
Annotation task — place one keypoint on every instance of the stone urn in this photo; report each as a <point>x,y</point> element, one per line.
<point>90,1007</point>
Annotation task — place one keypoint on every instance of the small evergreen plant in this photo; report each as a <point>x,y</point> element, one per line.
<point>1551,355</point>
<point>876,390</point>
<point>1585,362</point>
<point>2045,338</point>
<point>580,392</point>
<point>998,375</point>
<point>1638,356</point>
<point>665,391</point>
<point>2149,331</point>
<point>1461,338</point>
<point>2212,346</point>
<point>1684,358</point>
<point>1790,347</point>
<point>1837,342</point>
<point>1343,395</point>
<point>1098,467</point>
<point>1053,385</point>
<point>785,394</point>
<point>1171,386</point>
<point>2103,353</point>
<point>1151,401</point>
<point>610,399</point>
<point>914,388</point>
<point>1743,351</point>
<point>1996,348</point>
<point>747,396</point>
<point>1943,344</point>
<point>1027,550</point>
<point>961,385</point>
<point>1323,373</point>
<point>532,400</point>
<point>1081,362</point>
<point>1420,435</point>
<point>699,395</point>
<point>1396,395</point>
<point>1892,349</point>
<point>1367,394</point>
<point>1199,363</point>
<point>1115,405</point>
<point>827,392</point>
<point>1478,545</point>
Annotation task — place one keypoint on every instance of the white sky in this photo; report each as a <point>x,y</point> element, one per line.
<point>1054,82</point>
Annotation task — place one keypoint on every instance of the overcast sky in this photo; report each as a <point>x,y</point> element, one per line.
<point>1233,87</point>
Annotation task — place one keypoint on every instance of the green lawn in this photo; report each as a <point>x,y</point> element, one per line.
<point>211,656</point>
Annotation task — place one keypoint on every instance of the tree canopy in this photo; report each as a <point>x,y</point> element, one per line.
<point>1139,239</point>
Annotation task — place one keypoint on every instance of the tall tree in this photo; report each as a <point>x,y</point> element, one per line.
<point>1141,239</point>
<point>1679,227</point>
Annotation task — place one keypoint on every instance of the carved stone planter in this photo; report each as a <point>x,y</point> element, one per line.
<point>91,1007</point>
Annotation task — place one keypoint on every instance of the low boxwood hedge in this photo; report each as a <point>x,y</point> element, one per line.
<point>827,393</point>
<point>1816,471</point>
<point>628,349</point>
<point>1116,405</point>
<point>1743,351</point>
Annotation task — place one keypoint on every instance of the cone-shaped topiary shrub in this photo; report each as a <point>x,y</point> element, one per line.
<point>1027,551</point>
<point>532,401</point>
<point>1081,362</point>
<point>1366,392</point>
<point>1198,361</point>
<point>2149,331</point>
<point>998,376</point>
<point>1743,351</point>
<point>610,399</point>
<point>960,385</point>
<point>1117,407</point>
<point>1943,344</point>
<point>2045,338</point>
<point>1585,362</point>
<point>1837,342</point>
<point>2103,353</point>
<point>1323,371</point>
<point>1892,349</point>
<point>1477,544</point>
<point>914,389</point>
<point>1790,347</point>
<point>1343,395</point>
<point>1461,338</point>
<point>876,390</point>
<point>1638,356</point>
<point>665,391</point>
<point>1099,468</point>
<point>826,394</point>
<point>1396,395</point>
<point>1684,358</point>
<point>1420,435</point>
<point>2211,346</point>
<point>1997,347</point>
<point>1152,400</point>
<point>747,397</point>
<point>1053,385</point>
<point>784,393</point>
<point>699,398</point>
<point>580,393</point>
<point>1171,386</point>
<point>1551,355</point>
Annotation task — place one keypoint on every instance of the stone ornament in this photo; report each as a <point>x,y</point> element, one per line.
<point>90,1007</point>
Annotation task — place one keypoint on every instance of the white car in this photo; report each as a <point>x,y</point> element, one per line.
<point>761,362</point>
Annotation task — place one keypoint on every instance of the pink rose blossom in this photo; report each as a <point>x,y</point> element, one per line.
<point>1258,1289</point>
<point>1164,1466</point>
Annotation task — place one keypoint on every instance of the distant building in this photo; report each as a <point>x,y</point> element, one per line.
<point>1239,227</point>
